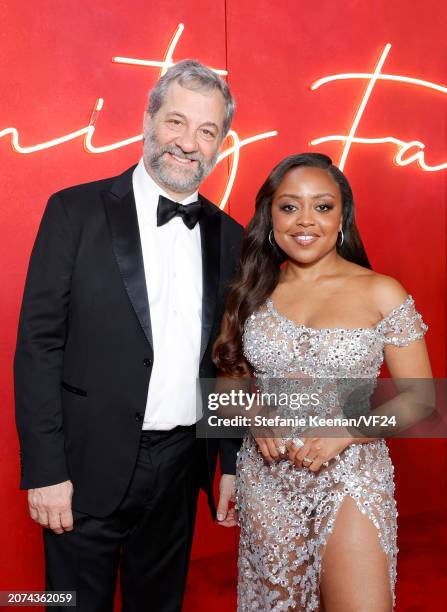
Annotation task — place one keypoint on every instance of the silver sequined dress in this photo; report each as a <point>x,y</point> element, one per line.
<point>286,514</point>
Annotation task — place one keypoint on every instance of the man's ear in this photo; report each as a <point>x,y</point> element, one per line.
<point>146,122</point>
<point>222,140</point>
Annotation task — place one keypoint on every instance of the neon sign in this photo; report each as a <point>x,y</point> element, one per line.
<point>407,151</point>
<point>88,131</point>
<point>404,148</point>
<point>167,62</point>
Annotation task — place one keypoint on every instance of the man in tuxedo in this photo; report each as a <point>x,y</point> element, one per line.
<point>123,300</point>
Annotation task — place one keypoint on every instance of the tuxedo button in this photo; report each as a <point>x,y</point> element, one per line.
<point>139,416</point>
<point>147,362</point>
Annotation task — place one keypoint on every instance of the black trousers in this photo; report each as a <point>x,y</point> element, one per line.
<point>148,537</point>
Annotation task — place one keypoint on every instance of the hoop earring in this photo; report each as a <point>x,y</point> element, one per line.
<point>271,239</point>
<point>342,238</point>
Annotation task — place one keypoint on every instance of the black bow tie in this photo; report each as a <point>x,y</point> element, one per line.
<point>167,210</point>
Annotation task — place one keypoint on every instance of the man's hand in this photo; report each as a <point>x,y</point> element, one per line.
<point>51,506</point>
<point>226,516</point>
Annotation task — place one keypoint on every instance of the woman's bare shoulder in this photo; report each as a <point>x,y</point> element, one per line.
<point>385,292</point>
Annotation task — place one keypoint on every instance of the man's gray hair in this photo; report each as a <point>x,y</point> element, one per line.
<point>192,75</point>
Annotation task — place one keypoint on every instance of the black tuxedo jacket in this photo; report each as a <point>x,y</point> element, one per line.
<point>84,350</point>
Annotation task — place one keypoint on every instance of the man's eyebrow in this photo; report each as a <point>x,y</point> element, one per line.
<point>299,197</point>
<point>178,114</point>
<point>170,113</point>
<point>210,123</point>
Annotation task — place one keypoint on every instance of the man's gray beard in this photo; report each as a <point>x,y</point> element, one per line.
<point>153,159</point>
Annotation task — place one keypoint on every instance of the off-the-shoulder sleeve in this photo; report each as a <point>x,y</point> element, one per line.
<point>403,325</point>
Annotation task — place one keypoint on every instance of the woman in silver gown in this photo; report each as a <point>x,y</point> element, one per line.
<point>317,513</point>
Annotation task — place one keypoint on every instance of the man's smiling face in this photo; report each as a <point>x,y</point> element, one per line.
<point>182,140</point>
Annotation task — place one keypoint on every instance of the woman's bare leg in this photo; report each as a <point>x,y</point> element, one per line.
<point>355,568</point>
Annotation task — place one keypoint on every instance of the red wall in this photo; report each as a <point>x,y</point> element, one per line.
<point>55,61</point>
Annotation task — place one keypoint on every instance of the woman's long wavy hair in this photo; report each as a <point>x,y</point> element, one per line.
<point>260,262</point>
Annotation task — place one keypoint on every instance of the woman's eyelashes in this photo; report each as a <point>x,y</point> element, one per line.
<point>288,207</point>
<point>324,207</point>
<point>321,207</point>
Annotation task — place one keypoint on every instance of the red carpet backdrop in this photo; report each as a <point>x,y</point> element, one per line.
<point>363,82</point>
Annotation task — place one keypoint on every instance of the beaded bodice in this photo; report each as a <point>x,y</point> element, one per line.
<point>276,346</point>
<point>286,514</point>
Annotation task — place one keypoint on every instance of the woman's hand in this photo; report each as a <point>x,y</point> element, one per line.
<point>269,448</point>
<point>317,450</point>
<point>270,439</point>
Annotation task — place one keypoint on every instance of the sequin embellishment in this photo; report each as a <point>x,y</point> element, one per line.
<point>287,514</point>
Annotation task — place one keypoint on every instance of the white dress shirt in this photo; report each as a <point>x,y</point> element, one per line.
<point>173,269</point>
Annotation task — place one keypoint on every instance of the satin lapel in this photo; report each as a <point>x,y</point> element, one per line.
<point>210,239</point>
<point>123,222</point>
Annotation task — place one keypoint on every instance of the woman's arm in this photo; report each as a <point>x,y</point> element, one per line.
<point>406,357</point>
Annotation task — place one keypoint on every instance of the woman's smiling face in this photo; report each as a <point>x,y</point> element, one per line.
<point>307,214</point>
